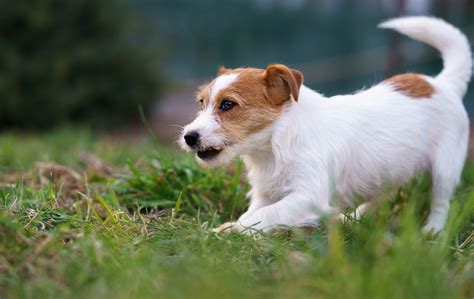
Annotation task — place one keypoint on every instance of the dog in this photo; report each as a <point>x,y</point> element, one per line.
<point>308,155</point>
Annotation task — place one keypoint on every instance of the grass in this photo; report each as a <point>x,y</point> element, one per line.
<point>110,219</point>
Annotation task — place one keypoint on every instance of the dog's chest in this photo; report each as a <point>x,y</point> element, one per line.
<point>272,189</point>
<point>269,184</point>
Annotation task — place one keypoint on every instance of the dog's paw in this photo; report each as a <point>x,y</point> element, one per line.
<point>236,227</point>
<point>228,227</point>
<point>431,229</point>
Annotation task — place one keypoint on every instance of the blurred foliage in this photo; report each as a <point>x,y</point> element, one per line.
<point>79,60</point>
<point>92,61</point>
<point>335,43</point>
<point>200,35</point>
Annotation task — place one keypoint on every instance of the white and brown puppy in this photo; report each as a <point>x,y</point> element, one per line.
<point>308,155</point>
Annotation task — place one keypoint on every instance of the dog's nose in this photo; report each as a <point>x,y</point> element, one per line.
<point>191,138</point>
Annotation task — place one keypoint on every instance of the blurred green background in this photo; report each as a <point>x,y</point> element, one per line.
<point>95,62</point>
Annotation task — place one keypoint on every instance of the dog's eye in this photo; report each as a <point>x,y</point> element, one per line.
<point>226,105</point>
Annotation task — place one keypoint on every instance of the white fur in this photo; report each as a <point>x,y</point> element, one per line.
<point>222,82</point>
<point>206,124</point>
<point>322,151</point>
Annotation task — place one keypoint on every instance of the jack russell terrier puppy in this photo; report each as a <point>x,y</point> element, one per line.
<point>308,155</point>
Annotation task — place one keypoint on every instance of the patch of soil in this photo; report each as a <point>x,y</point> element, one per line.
<point>68,183</point>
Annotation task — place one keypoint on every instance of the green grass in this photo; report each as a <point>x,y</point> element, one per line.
<point>143,232</point>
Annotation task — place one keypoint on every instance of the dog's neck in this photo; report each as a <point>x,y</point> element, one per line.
<point>270,151</point>
<point>261,167</point>
<point>266,151</point>
<point>261,152</point>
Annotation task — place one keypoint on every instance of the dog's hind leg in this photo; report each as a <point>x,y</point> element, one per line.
<point>446,171</point>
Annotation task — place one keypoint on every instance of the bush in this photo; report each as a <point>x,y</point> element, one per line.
<point>75,60</point>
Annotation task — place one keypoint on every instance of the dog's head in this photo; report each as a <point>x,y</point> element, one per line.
<point>235,106</point>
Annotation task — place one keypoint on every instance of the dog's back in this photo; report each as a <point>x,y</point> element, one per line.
<point>407,123</point>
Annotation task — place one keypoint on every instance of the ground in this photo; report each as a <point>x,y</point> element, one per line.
<point>86,215</point>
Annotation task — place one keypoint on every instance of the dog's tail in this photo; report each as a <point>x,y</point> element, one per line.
<point>447,39</point>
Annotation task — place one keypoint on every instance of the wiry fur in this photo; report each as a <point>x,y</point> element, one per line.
<point>319,152</point>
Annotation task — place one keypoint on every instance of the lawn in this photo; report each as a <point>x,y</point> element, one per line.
<point>90,216</point>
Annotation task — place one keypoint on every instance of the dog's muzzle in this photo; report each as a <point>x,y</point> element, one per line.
<point>192,139</point>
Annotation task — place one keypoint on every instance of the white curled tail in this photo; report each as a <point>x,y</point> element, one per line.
<point>447,39</point>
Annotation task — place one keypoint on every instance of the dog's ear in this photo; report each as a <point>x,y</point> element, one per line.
<point>222,70</point>
<point>282,83</point>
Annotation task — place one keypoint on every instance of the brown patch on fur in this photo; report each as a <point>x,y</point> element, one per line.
<point>411,84</point>
<point>282,82</point>
<point>255,109</point>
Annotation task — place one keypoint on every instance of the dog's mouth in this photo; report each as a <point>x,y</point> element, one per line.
<point>209,153</point>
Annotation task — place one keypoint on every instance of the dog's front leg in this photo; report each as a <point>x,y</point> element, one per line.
<point>255,204</point>
<point>293,210</point>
